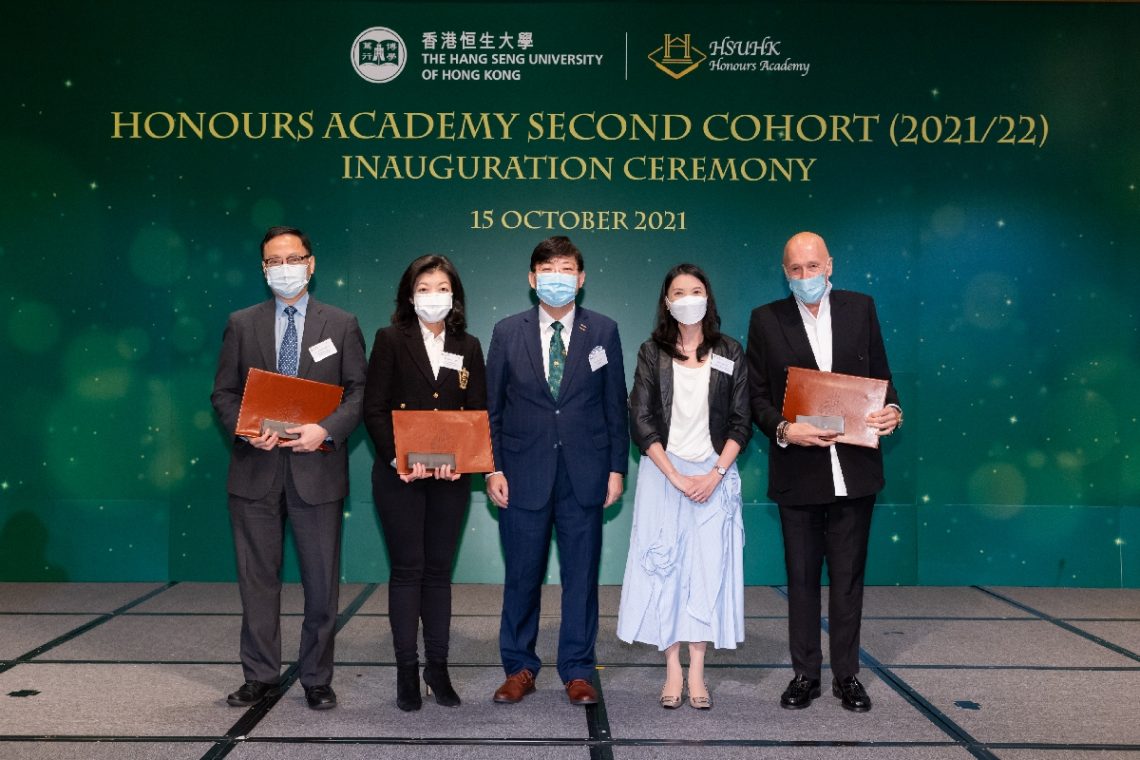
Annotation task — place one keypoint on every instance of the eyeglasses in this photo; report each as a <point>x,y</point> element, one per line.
<point>270,263</point>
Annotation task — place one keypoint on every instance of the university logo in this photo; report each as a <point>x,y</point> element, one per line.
<point>379,54</point>
<point>677,57</point>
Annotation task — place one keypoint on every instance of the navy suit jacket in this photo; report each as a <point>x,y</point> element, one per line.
<point>777,340</point>
<point>588,422</point>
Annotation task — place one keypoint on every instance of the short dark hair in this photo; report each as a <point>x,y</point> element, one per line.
<point>278,231</point>
<point>552,248</point>
<point>405,313</point>
<point>666,332</point>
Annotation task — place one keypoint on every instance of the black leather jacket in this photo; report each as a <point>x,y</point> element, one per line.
<point>651,401</point>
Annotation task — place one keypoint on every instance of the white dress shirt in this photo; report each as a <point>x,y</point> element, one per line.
<point>434,345</point>
<point>818,329</point>
<point>281,323</point>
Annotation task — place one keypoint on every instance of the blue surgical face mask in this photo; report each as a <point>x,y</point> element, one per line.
<point>809,290</point>
<point>287,280</point>
<point>556,289</point>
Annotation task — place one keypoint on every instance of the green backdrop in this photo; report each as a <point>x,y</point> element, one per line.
<point>974,166</point>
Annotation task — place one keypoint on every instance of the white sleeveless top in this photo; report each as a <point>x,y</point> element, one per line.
<point>689,420</point>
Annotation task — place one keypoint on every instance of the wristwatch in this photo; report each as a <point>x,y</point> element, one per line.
<point>782,433</point>
<point>722,471</point>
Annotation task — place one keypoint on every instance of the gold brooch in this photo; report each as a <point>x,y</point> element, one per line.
<point>463,376</point>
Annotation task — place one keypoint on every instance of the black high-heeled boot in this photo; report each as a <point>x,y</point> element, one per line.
<point>439,682</point>
<point>408,686</point>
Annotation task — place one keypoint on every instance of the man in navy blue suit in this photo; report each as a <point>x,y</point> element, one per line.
<point>559,428</point>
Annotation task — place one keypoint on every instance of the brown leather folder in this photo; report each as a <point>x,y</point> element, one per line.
<point>461,438</point>
<point>281,401</point>
<point>811,393</point>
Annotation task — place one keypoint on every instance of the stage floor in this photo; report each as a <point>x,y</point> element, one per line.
<point>141,671</point>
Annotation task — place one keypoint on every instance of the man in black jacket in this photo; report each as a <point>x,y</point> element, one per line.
<point>825,490</point>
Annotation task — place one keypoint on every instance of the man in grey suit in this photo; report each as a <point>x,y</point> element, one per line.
<point>304,479</point>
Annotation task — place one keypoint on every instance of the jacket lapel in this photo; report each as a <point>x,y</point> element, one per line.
<point>266,330</point>
<point>414,344</point>
<point>716,377</point>
<point>581,344</point>
<point>452,344</point>
<point>314,334</point>
<point>842,341</point>
<point>665,379</point>
<point>532,339</point>
<point>792,325</point>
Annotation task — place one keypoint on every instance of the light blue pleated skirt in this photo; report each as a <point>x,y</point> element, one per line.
<point>684,577</point>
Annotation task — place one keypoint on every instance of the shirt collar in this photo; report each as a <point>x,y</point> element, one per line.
<point>545,320</point>
<point>824,304</point>
<point>301,306</point>
<point>428,335</point>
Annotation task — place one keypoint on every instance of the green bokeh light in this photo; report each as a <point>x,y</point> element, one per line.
<point>94,367</point>
<point>158,255</point>
<point>34,327</point>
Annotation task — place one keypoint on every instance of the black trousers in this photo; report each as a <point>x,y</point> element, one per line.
<point>259,534</point>
<point>838,532</point>
<point>422,522</point>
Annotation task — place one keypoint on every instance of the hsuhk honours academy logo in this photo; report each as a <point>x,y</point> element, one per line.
<point>677,57</point>
<point>379,54</point>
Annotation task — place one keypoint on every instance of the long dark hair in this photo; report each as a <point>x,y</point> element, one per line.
<point>405,313</point>
<point>666,332</point>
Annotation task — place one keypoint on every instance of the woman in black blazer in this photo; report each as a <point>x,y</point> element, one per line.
<point>424,360</point>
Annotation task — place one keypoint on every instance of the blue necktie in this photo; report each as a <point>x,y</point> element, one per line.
<point>287,357</point>
<point>557,358</point>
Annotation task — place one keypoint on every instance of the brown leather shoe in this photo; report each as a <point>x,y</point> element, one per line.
<point>517,686</point>
<point>581,692</point>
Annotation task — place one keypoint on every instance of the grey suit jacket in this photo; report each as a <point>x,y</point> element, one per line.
<point>249,342</point>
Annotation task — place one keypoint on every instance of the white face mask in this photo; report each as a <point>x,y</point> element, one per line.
<point>688,310</point>
<point>287,280</point>
<point>432,307</point>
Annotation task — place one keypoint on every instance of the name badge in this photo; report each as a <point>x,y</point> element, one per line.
<point>720,364</point>
<point>598,358</point>
<point>451,361</point>
<point>322,350</point>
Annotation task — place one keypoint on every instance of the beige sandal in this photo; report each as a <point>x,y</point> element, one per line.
<point>700,703</point>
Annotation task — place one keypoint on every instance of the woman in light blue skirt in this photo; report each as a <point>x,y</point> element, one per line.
<point>689,416</point>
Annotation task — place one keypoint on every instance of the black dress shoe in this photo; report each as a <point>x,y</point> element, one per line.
<point>852,693</point>
<point>800,692</point>
<point>320,697</point>
<point>250,693</point>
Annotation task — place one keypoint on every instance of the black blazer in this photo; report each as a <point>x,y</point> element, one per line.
<point>777,340</point>
<point>400,377</point>
<point>651,401</point>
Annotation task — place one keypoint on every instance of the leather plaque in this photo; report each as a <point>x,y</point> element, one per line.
<point>280,401</point>
<point>465,435</point>
<point>813,393</point>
